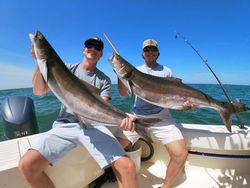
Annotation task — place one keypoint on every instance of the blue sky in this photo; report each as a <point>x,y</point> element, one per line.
<point>219,29</point>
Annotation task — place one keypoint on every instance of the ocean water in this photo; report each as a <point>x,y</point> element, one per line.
<point>47,107</point>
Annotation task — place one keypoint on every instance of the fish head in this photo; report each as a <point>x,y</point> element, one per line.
<point>43,52</point>
<point>40,45</point>
<point>120,65</point>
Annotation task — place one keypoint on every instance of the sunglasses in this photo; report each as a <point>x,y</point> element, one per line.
<point>152,49</point>
<point>96,47</point>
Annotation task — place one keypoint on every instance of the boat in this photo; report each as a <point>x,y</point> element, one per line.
<point>217,158</point>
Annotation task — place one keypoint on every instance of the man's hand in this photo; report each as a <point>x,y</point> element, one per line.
<point>187,105</point>
<point>127,123</point>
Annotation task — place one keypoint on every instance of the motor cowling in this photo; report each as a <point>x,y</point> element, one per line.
<point>18,113</point>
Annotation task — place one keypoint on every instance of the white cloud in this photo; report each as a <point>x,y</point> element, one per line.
<point>13,76</point>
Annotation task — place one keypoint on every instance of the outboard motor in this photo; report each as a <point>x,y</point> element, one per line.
<point>19,117</point>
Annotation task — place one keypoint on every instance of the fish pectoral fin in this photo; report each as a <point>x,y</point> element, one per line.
<point>130,89</point>
<point>125,87</point>
<point>44,71</point>
<point>45,79</point>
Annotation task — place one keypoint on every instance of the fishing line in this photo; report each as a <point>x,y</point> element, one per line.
<point>222,87</point>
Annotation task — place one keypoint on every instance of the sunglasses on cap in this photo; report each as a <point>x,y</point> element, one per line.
<point>96,47</point>
<point>150,48</point>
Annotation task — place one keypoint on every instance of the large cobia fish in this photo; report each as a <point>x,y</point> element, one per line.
<point>79,96</point>
<point>169,92</point>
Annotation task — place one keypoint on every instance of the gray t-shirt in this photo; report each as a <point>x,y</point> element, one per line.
<point>96,78</point>
<point>142,107</point>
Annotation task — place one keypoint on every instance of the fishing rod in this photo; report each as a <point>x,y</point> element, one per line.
<point>111,44</point>
<point>222,87</point>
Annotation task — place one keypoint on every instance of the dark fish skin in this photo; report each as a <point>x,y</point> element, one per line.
<point>169,92</point>
<point>76,94</point>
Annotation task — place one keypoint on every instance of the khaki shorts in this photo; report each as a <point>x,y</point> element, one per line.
<point>165,131</point>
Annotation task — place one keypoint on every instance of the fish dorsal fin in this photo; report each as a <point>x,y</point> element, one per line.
<point>130,89</point>
<point>123,90</point>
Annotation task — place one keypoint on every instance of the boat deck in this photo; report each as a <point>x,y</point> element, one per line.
<point>152,175</point>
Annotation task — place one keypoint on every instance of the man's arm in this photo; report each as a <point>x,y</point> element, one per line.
<point>39,85</point>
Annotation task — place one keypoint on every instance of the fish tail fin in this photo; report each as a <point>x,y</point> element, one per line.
<point>141,125</point>
<point>229,109</point>
<point>238,107</point>
<point>226,117</point>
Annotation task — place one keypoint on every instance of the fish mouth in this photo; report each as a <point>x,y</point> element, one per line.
<point>119,67</point>
<point>37,35</point>
<point>111,58</point>
<point>31,36</point>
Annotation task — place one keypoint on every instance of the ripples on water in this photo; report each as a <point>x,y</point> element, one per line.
<point>47,106</point>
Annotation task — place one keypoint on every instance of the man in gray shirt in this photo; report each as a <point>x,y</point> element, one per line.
<point>67,132</point>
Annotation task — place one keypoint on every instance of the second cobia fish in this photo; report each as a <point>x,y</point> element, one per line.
<point>169,92</point>
<point>77,95</point>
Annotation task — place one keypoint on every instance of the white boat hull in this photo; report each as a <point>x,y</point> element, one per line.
<point>216,159</point>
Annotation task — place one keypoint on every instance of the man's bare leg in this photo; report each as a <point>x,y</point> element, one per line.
<point>178,154</point>
<point>125,171</point>
<point>32,166</point>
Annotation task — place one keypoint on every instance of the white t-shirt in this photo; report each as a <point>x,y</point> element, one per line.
<point>142,107</point>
